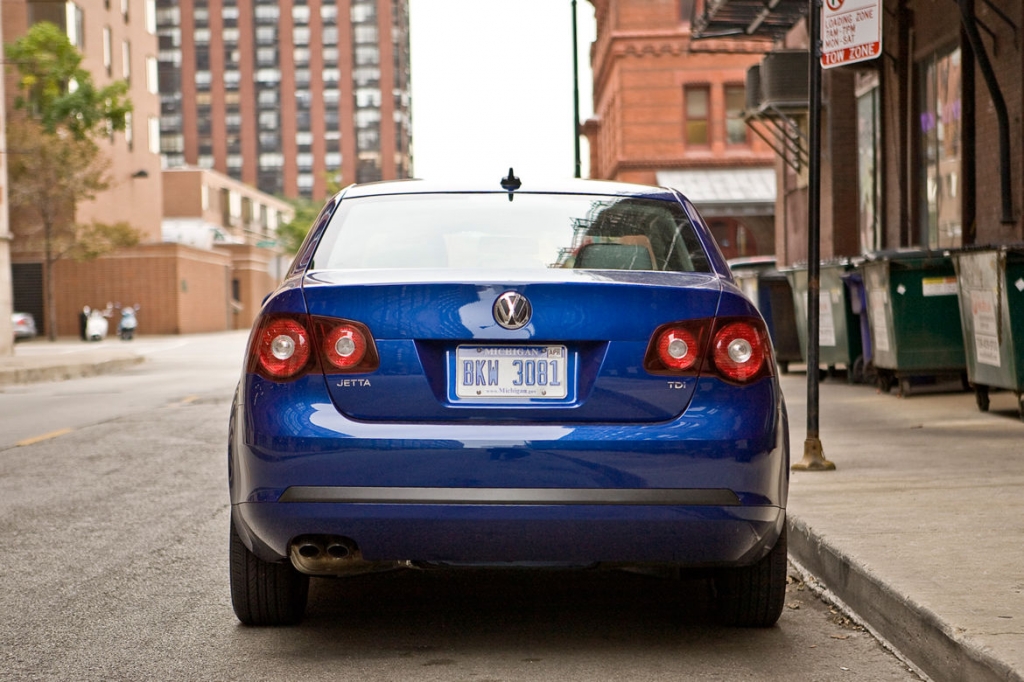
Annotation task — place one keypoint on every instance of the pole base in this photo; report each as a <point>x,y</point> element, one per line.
<point>814,458</point>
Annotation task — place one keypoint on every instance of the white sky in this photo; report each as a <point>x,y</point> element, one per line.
<point>492,87</point>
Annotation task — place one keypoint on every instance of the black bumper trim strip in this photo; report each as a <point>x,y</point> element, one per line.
<point>584,496</point>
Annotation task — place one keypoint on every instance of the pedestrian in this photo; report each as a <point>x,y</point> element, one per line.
<point>83,317</point>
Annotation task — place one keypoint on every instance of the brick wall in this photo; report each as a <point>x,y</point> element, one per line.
<point>179,289</point>
<point>250,267</point>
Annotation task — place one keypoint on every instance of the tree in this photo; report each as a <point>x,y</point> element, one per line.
<point>291,234</point>
<point>57,92</point>
<point>53,161</point>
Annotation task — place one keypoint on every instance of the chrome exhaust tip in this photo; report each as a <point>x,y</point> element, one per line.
<point>334,555</point>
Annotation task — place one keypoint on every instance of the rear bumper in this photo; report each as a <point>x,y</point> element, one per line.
<point>708,488</point>
<point>499,533</point>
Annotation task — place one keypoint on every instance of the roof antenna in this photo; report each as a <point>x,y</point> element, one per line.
<point>511,183</point>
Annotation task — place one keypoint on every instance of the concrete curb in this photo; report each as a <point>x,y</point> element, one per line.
<point>920,635</point>
<point>33,370</point>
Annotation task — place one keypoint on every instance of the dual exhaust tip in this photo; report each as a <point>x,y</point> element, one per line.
<point>324,555</point>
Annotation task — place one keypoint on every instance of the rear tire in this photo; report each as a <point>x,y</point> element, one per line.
<point>264,593</point>
<point>753,596</point>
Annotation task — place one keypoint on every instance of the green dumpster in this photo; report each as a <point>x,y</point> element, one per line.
<point>838,326</point>
<point>991,290</point>
<point>914,316</point>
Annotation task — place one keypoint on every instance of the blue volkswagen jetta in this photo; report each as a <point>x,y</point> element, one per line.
<point>510,375</point>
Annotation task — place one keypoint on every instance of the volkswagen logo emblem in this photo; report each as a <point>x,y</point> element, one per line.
<point>512,310</point>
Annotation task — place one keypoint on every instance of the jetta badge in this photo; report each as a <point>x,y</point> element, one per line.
<point>512,310</point>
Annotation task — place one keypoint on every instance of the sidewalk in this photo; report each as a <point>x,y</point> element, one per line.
<point>920,530</point>
<point>42,360</point>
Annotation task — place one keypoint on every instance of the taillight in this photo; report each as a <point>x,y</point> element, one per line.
<point>281,348</point>
<point>345,346</point>
<point>677,348</point>
<point>284,347</point>
<point>739,350</point>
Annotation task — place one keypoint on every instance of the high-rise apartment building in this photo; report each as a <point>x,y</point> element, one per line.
<point>284,94</point>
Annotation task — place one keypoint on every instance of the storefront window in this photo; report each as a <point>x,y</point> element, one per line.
<point>868,167</point>
<point>939,131</point>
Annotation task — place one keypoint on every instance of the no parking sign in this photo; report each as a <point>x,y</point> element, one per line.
<point>851,31</point>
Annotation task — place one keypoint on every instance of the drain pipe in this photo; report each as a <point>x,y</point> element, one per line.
<point>1003,118</point>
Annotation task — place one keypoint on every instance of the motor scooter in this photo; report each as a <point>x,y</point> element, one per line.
<point>129,321</point>
<point>96,326</point>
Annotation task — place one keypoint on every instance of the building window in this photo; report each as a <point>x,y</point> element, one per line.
<point>266,35</point>
<point>268,75</point>
<point>108,51</point>
<point>129,133</point>
<point>124,10</point>
<point>171,144</point>
<point>126,61</point>
<point>939,161</point>
<point>75,21</point>
<point>152,75</point>
<point>869,152</point>
<point>696,107</point>
<point>300,14</point>
<point>267,13</point>
<point>268,120</point>
<point>154,134</point>
<point>300,35</point>
<point>735,126</point>
<point>151,16</point>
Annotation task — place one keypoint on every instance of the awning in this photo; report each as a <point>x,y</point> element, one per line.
<point>747,18</point>
<point>725,191</point>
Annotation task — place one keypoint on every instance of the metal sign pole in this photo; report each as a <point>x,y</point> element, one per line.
<point>575,92</point>
<point>814,456</point>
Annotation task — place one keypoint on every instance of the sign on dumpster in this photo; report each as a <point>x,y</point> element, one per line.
<point>851,31</point>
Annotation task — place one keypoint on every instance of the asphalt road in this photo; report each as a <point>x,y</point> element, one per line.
<point>114,567</point>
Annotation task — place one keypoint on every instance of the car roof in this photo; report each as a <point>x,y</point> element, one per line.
<point>568,186</point>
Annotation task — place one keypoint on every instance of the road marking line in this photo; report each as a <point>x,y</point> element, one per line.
<point>45,436</point>
<point>189,399</point>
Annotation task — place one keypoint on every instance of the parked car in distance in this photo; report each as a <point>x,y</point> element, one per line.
<point>24,325</point>
<point>510,374</point>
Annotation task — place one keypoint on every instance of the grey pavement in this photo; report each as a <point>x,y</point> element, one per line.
<point>38,359</point>
<point>919,532</point>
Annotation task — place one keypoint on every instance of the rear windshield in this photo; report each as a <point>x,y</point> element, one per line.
<point>488,231</point>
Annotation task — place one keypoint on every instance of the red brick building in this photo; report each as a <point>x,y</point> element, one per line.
<point>915,149</point>
<point>669,111</point>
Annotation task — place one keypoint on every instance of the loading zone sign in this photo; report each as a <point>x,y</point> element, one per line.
<point>851,31</point>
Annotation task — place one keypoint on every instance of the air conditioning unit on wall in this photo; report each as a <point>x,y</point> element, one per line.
<point>783,78</point>
<point>753,89</point>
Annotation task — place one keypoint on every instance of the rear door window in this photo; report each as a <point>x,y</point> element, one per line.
<point>490,231</point>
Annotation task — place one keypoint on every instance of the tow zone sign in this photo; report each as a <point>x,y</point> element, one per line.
<point>851,31</point>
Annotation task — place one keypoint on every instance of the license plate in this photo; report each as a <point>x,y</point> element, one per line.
<point>511,372</point>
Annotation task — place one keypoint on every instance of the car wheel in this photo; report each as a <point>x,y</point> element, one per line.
<point>264,593</point>
<point>753,596</point>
